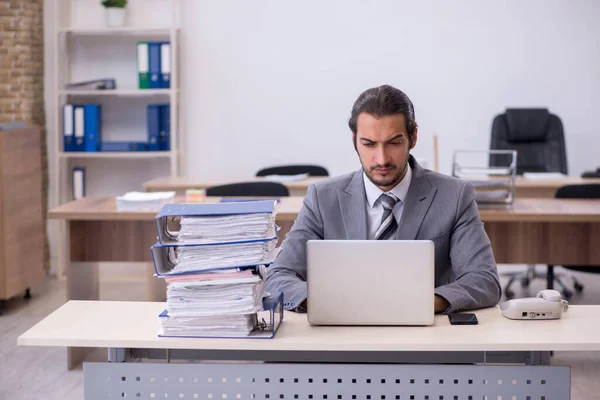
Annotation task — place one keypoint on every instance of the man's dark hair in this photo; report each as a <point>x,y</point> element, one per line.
<point>383,101</point>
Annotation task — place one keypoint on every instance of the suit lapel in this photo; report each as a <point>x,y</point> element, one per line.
<point>418,200</point>
<point>352,205</point>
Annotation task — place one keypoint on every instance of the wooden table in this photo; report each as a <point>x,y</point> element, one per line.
<point>180,184</point>
<point>395,361</point>
<point>534,231</point>
<point>525,188</point>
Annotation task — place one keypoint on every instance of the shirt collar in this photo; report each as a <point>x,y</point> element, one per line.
<point>400,190</point>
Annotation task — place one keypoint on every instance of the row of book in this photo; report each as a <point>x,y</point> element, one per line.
<point>213,258</point>
<point>82,130</point>
<point>154,65</point>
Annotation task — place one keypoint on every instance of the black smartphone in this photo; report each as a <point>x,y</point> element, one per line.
<point>463,319</point>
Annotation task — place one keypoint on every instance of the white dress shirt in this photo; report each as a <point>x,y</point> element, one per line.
<point>374,206</point>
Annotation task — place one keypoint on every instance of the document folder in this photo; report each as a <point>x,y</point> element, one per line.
<point>169,216</point>
<point>268,321</point>
<point>164,259</point>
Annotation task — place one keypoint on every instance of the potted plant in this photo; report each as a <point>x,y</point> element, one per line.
<point>115,12</point>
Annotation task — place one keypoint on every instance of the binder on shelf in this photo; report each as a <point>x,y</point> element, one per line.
<point>165,65</point>
<point>143,65</point>
<point>164,139</point>
<point>153,126</point>
<point>78,181</point>
<point>124,146</point>
<point>68,137</point>
<point>79,131</point>
<point>92,127</point>
<point>154,65</point>
<point>164,258</point>
<point>266,324</point>
<point>167,226</point>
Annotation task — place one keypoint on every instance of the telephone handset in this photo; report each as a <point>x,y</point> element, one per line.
<point>548,304</point>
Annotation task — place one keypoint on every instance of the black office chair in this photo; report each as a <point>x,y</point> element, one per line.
<point>535,134</point>
<point>538,138</point>
<point>312,170</point>
<point>259,189</point>
<point>587,191</point>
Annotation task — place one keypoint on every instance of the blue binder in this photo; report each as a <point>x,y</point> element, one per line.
<point>68,128</point>
<point>165,256</point>
<point>165,65</point>
<point>154,70</point>
<point>79,127</point>
<point>153,126</point>
<point>169,211</point>
<point>92,127</point>
<point>164,140</point>
<point>273,306</point>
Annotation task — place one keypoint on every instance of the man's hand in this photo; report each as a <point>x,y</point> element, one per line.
<point>440,304</point>
<point>304,304</point>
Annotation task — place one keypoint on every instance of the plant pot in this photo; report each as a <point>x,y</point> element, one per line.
<point>115,16</point>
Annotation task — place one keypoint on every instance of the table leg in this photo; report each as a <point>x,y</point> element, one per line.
<point>82,279</point>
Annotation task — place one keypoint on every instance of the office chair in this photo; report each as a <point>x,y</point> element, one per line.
<point>249,189</point>
<point>586,191</point>
<point>538,138</point>
<point>312,170</point>
<point>535,134</point>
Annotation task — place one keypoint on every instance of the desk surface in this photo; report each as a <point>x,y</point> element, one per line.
<point>135,325</point>
<point>105,208</point>
<point>536,210</point>
<point>187,182</point>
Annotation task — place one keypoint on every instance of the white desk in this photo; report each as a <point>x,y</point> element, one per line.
<point>129,329</point>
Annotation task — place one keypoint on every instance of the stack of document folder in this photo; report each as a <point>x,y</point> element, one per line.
<point>213,258</point>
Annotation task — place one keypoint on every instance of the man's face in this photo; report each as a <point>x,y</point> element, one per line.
<point>383,148</point>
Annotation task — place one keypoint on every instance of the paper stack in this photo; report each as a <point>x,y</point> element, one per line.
<point>214,266</point>
<point>137,201</point>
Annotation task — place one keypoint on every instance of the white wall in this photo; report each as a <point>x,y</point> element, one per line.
<point>270,82</point>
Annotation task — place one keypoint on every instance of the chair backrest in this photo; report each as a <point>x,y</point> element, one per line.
<point>535,134</point>
<point>249,189</point>
<point>312,170</point>
<point>586,191</point>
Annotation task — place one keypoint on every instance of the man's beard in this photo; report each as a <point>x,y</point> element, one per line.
<point>387,182</point>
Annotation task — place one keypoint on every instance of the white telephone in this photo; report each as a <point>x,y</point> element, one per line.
<point>548,304</point>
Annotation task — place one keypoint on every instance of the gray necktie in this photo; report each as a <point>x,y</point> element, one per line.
<point>388,222</point>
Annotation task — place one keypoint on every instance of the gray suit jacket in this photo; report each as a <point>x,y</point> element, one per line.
<point>437,207</point>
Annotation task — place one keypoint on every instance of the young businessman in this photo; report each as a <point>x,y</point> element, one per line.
<point>393,198</point>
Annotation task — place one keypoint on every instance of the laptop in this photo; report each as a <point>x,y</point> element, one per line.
<point>370,282</point>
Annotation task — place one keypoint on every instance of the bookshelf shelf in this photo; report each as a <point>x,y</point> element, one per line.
<point>117,154</point>
<point>120,92</point>
<point>100,31</point>
<point>87,49</point>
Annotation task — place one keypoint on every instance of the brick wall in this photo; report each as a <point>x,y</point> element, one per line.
<point>22,71</point>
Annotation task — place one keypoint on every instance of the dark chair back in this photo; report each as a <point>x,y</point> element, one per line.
<point>269,189</point>
<point>312,170</point>
<point>535,134</point>
<point>587,191</point>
